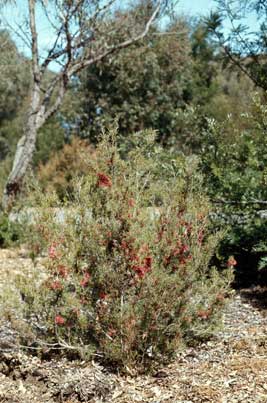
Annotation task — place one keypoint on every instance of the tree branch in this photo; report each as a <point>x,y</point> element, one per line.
<point>34,43</point>
<point>53,108</point>
<point>77,66</point>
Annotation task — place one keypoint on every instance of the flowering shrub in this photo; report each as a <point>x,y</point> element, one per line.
<point>128,267</point>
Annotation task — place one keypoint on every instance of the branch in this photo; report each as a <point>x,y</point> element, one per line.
<point>52,55</point>
<point>53,108</point>
<point>243,43</point>
<point>21,35</point>
<point>78,66</point>
<point>34,44</point>
<point>236,62</point>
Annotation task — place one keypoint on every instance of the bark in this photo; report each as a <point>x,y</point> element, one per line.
<point>24,153</point>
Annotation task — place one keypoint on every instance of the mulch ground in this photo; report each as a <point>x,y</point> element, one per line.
<point>230,368</point>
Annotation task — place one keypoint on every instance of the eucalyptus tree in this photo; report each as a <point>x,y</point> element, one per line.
<point>83,32</point>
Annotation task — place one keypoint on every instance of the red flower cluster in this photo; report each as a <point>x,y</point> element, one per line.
<point>231,262</point>
<point>144,268</point>
<point>103,181</point>
<point>59,320</point>
<point>56,285</point>
<point>180,253</point>
<point>139,265</point>
<point>128,249</point>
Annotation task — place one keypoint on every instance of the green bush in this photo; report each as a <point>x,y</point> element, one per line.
<point>233,161</point>
<point>128,274</point>
<point>10,232</point>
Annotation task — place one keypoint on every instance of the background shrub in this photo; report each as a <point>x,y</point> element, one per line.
<point>233,161</point>
<point>128,273</point>
<point>10,232</point>
<point>58,173</point>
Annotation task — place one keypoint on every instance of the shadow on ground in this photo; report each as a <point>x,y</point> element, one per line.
<point>256,296</point>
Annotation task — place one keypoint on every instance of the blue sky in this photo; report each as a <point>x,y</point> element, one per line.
<point>196,7</point>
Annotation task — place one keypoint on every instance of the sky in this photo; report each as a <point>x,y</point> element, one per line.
<point>196,7</point>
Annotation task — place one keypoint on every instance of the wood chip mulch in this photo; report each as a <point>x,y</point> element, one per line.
<point>230,368</point>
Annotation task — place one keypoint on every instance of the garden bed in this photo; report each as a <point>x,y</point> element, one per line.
<point>232,367</point>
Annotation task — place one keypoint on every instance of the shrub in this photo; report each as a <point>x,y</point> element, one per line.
<point>10,232</point>
<point>65,165</point>
<point>128,266</point>
<point>234,161</point>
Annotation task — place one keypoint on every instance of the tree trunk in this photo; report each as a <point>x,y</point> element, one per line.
<point>23,158</point>
<point>24,153</point>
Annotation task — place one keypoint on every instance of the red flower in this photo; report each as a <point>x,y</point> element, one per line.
<point>84,282</point>
<point>102,295</point>
<point>231,262</point>
<point>112,332</point>
<point>59,320</point>
<point>52,252</point>
<point>131,203</point>
<point>62,271</point>
<point>124,245</point>
<point>104,181</point>
<point>176,252</point>
<point>56,285</point>
<point>184,248</point>
<point>141,270</point>
<point>204,314</point>
<point>148,262</point>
